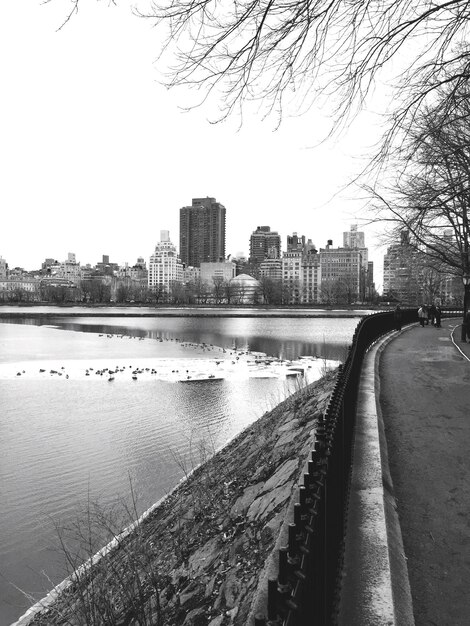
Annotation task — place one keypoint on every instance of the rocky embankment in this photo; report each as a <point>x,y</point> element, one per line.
<point>200,558</point>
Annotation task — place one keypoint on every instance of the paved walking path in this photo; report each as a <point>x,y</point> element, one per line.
<point>425,401</point>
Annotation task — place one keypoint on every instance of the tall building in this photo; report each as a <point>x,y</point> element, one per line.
<point>165,267</point>
<point>356,240</point>
<point>403,272</point>
<point>311,276</point>
<point>202,232</point>
<point>342,274</point>
<point>3,268</point>
<point>295,243</point>
<point>301,271</point>
<point>369,284</point>
<point>271,268</point>
<point>70,269</point>
<point>264,244</point>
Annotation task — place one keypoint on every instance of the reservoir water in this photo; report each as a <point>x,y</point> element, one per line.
<point>68,436</point>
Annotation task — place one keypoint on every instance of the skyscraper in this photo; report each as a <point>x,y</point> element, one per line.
<point>353,238</point>
<point>403,272</point>
<point>342,273</point>
<point>356,240</point>
<point>202,232</point>
<point>301,271</point>
<point>165,268</point>
<point>264,244</point>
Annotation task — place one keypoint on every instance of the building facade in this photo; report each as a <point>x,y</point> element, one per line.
<point>202,232</point>
<point>403,272</point>
<point>354,238</point>
<point>342,274</point>
<point>70,269</point>
<point>105,267</point>
<point>264,244</point>
<point>301,274</point>
<point>165,267</point>
<point>291,275</point>
<point>191,274</point>
<point>224,270</point>
<point>271,268</point>
<point>310,278</point>
<point>19,289</point>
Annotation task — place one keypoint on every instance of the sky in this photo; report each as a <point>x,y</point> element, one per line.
<point>97,156</point>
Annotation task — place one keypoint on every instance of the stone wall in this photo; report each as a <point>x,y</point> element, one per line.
<point>201,557</point>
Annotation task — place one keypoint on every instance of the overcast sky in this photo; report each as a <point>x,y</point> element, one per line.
<point>97,157</point>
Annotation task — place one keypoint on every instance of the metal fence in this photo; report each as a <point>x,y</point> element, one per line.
<point>306,591</point>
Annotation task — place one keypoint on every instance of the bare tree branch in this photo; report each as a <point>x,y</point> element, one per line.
<point>430,194</point>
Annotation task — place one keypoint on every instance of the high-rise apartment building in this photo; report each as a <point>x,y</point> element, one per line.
<point>202,232</point>
<point>70,269</point>
<point>165,267</point>
<point>342,273</point>
<point>295,242</point>
<point>264,244</point>
<point>271,268</point>
<point>3,268</point>
<point>301,271</point>
<point>403,272</point>
<point>356,240</point>
<point>311,276</point>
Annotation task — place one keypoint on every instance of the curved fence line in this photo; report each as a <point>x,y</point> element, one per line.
<point>306,590</point>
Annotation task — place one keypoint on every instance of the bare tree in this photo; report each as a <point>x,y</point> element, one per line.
<point>218,289</point>
<point>270,290</point>
<point>201,291</point>
<point>294,52</point>
<point>229,291</point>
<point>263,50</point>
<point>430,194</point>
<point>157,294</point>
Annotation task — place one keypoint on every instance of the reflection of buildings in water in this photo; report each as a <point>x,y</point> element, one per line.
<point>275,347</point>
<point>25,321</point>
<point>291,349</point>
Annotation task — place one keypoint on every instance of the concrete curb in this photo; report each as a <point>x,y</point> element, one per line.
<point>375,588</point>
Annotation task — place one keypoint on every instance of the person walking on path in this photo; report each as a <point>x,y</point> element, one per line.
<point>427,309</point>
<point>428,439</point>
<point>432,314</point>
<point>467,325</point>
<point>422,315</point>
<point>438,316</point>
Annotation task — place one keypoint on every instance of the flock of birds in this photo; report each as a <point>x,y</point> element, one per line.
<point>183,375</point>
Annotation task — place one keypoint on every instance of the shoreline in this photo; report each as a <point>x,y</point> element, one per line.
<point>208,542</point>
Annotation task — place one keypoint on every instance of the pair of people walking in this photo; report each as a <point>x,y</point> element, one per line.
<point>429,315</point>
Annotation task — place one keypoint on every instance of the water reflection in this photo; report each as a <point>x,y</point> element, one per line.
<point>278,337</point>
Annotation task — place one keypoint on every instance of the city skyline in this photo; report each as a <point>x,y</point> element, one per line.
<point>67,253</point>
<point>97,157</point>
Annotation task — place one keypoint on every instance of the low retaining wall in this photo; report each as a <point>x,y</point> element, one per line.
<point>375,585</point>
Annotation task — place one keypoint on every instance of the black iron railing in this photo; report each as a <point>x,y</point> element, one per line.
<point>306,590</point>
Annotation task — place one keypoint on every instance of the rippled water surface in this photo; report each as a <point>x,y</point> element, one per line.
<point>66,440</point>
